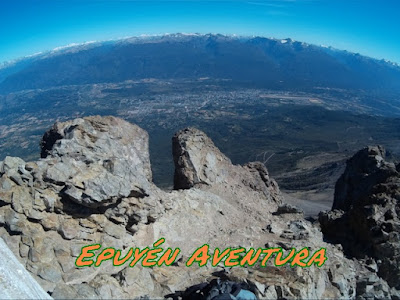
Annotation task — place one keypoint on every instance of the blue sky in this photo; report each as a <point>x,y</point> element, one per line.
<point>369,27</point>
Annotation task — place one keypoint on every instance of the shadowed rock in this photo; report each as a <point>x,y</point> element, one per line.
<point>364,171</point>
<point>365,216</point>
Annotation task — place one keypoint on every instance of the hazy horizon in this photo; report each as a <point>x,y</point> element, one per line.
<point>366,27</point>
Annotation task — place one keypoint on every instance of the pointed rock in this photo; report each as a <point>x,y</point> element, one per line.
<point>199,163</point>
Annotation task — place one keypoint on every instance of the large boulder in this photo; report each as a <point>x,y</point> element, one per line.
<point>364,171</point>
<point>98,159</point>
<point>199,163</point>
<point>365,216</point>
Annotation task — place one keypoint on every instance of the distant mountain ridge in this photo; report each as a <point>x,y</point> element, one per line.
<point>256,61</point>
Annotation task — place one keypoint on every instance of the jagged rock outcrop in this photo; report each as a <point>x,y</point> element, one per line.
<point>365,216</point>
<point>198,163</point>
<point>99,160</point>
<point>364,171</point>
<point>93,186</point>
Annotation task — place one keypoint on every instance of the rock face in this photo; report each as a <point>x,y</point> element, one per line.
<point>93,186</point>
<point>364,171</point>
<point>98,159</point>
<point>365,217</point>
<point>198,163</point>
<point>15,281</point>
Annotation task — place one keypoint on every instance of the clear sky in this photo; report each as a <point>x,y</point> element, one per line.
<point>369,27</point>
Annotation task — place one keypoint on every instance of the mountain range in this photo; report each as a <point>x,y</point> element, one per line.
<point>249,61</point>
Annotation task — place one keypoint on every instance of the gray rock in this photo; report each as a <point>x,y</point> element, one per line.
<point>288,209</point>
<point>10,163</point>
<point>63,291</point>
<point>98,159</point>
<point>198,163</point>
<point>15,281</point>
<point>197,160</point>
<point>297,230</point>
<point>395,294</point>
<point>365,216</point>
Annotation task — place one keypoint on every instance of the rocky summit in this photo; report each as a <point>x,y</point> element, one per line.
<point>93,186</point>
